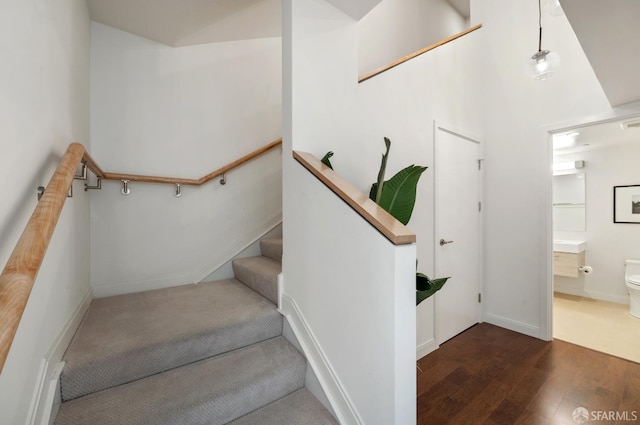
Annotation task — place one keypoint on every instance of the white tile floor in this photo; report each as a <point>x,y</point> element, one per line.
<point>599,325</point>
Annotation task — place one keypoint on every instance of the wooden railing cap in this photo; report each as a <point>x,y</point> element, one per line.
<point>368,75</point>
<point>386,224</point>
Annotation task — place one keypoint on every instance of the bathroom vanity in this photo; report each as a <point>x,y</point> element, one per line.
<point>567,257</point>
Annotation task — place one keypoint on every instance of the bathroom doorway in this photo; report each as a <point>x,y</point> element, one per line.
<point>590,300</point>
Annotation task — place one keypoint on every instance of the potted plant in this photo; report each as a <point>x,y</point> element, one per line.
<point>397,196</point>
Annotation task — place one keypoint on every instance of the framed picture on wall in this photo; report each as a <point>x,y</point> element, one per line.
<point>626,204</point>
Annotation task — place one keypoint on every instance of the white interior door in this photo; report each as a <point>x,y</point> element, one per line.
<point>458,232</point>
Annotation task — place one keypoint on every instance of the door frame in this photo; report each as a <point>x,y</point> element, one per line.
<point>439,125</point>
<point>546,211</point>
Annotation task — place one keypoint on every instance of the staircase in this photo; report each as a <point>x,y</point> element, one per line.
<point>207,354</point>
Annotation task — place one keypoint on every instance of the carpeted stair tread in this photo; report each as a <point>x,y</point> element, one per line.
<point>272,248</point>
<point>214,391</point>
<point>128,337</point>
<point>260,274</point>
<point>298,408</point>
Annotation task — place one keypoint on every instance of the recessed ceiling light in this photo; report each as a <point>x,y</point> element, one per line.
<point>564,140</point>
<point>635,123</point>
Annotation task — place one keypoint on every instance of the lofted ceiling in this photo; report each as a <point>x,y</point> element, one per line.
<point>355,8</point>
<point>462,6</point>
<point>180,23</point>
<point>607,30</point>
<point>609,34</point>
<point>187,22</point>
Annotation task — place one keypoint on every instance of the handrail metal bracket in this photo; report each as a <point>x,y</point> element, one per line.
<point>98,185</point>
<point>83,172</point>
<point>125,187</point>
<point>70,192</point>
<point>223,180</point>
<point>40,192</point>
<point>178,190</point>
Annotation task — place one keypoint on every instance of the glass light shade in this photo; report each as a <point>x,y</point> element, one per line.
<point>543,64</point>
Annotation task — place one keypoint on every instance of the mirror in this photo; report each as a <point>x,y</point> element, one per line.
<point>569,202</point>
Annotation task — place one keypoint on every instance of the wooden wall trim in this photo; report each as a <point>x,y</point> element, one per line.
<point>365,77</point>
<point>391,228</point>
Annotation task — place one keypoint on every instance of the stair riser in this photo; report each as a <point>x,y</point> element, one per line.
<point>266,284</point>
<point>212,392</point>
<point>125,338</point>
<point>151,360</point>
<point>299,408</point>
<point>272,248</point>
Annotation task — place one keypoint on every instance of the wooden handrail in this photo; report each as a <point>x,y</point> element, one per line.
<point>19,274</point>
<point>194,182</point>
<point>365,77</point>
<point>386,224</point>
<point>92,165</point>
<point>23,265</point>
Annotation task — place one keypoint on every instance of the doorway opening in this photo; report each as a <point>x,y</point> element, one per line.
<point>590,242</point>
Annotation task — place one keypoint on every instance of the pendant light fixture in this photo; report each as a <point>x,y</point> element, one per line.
<point>543,64</point>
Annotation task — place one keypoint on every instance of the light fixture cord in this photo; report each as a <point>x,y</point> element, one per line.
<point>540,26</point>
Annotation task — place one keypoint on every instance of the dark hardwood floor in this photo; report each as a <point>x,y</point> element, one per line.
<point>489,375</point>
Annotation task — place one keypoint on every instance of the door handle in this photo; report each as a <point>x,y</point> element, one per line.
<point>443,242</point>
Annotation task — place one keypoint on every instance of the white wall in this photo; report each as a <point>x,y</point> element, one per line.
<point>517,158</point>
<point>361,317</point>
<point>352,287</point>
<point>396,28</point>
<point>402,104</point>
<point>181,112</point>
<point>44,81</point>
<point>332,112</point>
<point>608,244</point>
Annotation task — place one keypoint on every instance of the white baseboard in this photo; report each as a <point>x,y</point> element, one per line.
<point>344,409</point>
<point>45,393</point>
<point>311,381</point>
<point>512,325</point>
<point>426,348</point>
<point>196,274</point>
<point>618,299</point>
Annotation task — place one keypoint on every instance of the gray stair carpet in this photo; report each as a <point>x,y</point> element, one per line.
<point>260,274</point>
<point>128,337</point>
<point>206,354</point>
<point>214,391</point>
<point>272,248</point>
<point>298,408</point>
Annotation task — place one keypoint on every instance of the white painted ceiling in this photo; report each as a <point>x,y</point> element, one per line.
<point>186,22</point>
<point>355,8</point>
<point>603,135</point>
<point>609,32</point>
<point>462,6</point>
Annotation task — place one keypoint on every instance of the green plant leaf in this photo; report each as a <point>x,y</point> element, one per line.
<point>383,167</point>
<point>399,193</point>
<point>426,287</point>
<point>325,159</point>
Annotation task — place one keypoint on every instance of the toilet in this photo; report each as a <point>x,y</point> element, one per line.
<point>632,279</point>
